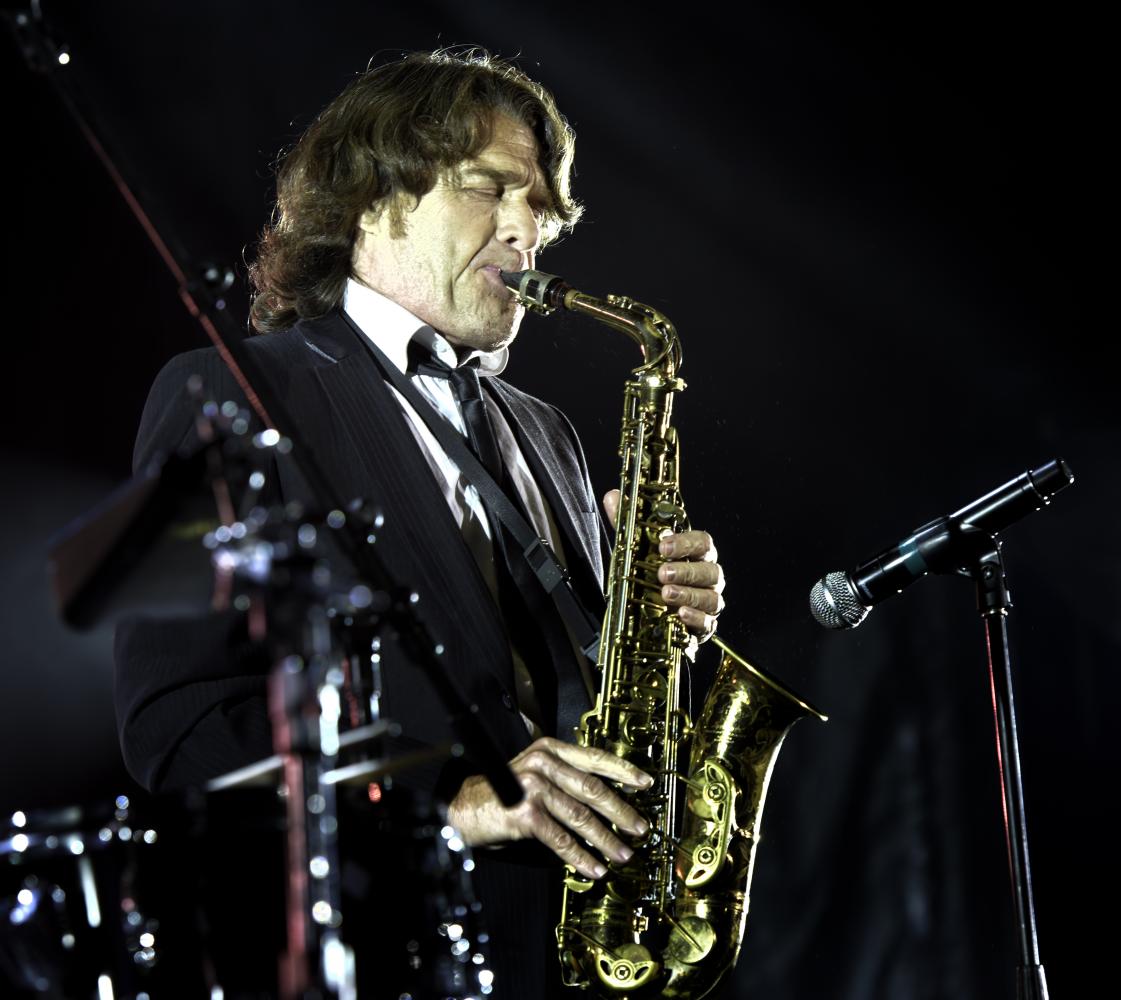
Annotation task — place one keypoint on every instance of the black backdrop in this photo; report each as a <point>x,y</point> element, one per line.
<point>880,235</point>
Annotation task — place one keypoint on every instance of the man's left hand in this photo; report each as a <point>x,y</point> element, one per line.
<point>693,581</point>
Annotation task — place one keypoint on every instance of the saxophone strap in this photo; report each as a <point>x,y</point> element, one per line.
<point>535,551</point>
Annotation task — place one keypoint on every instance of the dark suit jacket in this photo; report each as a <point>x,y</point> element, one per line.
<point>190,695</point>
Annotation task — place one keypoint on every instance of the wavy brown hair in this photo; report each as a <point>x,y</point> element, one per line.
<point>394,131</point>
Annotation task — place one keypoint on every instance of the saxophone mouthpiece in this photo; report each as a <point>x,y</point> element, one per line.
<point>537,290</point>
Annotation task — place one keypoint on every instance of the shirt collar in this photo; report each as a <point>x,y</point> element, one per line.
<point>391,326</point>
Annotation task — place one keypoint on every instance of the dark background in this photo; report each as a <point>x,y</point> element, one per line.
<point>881,235</point>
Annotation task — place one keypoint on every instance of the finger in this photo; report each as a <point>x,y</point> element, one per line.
<point>688,545</point>
<point>701,598</point>
<point>579,783</point>
<point>578,802</point>
<point>582,820</point>
<point>693,574</point>
<point>611,505</point>
<point>701,625</point>
<point>601,762</point>
<point>593,793</point>
<point>567,847</point>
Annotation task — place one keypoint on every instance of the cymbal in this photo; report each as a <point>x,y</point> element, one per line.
<point>140,551</point>
<point>269,770</point>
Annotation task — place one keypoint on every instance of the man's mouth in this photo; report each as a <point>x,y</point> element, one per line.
<point>493,274</point>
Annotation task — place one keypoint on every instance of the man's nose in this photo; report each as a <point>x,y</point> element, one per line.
<point>518,226</point>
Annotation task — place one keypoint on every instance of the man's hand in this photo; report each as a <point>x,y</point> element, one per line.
<point>565,807</point>
<point>694,582</point>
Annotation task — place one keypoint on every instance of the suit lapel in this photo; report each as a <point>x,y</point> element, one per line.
<point>578,526</point>
<point>370,451</point>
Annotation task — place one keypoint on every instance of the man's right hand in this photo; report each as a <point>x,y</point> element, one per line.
<point>566,806</point>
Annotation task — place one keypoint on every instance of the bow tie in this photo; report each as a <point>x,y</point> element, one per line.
<point>422,360</point>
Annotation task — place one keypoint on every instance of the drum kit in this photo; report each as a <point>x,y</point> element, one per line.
<point>185,896</point>
<point>314,873</point>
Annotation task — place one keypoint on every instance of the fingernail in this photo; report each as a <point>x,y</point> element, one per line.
<point>665,546</point>
<point>641,827</point>
<point>645,781</point>
<point>624,854</point>
<point>671,593</point>
<point>669,573</point>
<point>598,870</point>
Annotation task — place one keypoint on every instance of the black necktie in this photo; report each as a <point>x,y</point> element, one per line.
<point>465,384</point>
<point>534,624</point>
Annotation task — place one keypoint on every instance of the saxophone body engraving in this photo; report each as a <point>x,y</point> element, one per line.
<point>670,921</point>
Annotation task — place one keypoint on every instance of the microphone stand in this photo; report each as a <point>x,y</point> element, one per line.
<point>993,603</point>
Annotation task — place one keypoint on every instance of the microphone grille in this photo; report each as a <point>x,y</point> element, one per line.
<point>834,603</point>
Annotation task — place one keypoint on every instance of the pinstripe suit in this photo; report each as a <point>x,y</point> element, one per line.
<point>190,698</point>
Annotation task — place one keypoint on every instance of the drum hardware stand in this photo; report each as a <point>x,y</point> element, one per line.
<point>276,561</point>
<point>270,563</point>
<point>299,597</point>
<point>316,963</point>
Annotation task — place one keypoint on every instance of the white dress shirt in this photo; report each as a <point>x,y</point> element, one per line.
<point>391,327</point>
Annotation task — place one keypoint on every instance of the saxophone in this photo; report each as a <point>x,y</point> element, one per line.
<point>670,921</point>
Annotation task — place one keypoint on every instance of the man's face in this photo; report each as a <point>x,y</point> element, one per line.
<point>482,218</point>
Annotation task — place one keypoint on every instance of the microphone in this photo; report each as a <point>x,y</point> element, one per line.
<point>843,600</point>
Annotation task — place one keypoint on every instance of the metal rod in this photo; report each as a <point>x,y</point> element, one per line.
<point>994,602</point>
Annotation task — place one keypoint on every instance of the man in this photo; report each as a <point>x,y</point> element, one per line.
<point>396,212</point>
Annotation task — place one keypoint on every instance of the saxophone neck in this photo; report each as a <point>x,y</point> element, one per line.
<point>650,329</point>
